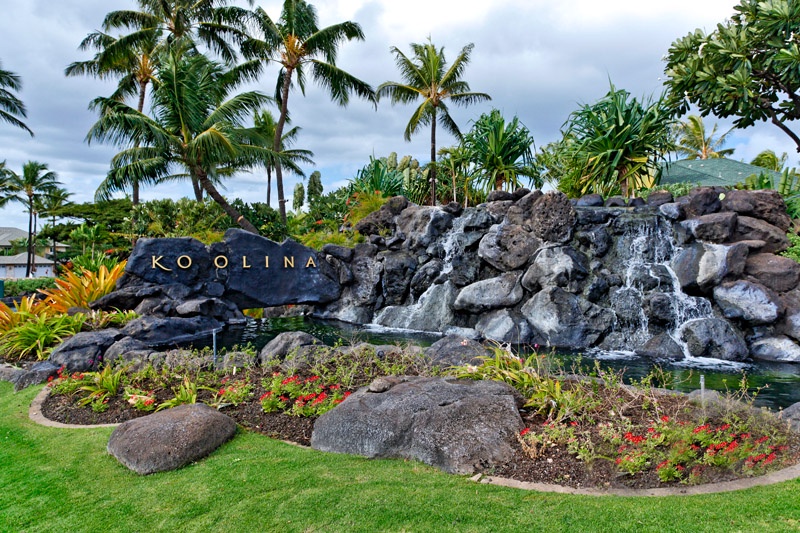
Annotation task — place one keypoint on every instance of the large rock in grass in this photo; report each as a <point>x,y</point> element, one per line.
<point>459,426</point>
<point>170,439</point>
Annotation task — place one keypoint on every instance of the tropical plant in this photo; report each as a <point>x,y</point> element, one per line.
<point>186,393</point>
<point>619,143</point>
<point>51,205</point>
<point>36,181</point>
<point>745,68</point>
<point>195,129</point>
<point>25,309</point>
<point>454,163</point>
<point>296,42</point>
<point>694,143</point>
<point>299,196</point>
<point>36,335</point>
<point>501,152</point>
<point>79,290</point>
<point>770,160</point>
<point>377,177</point>
<point>11,107</point>
<point>103,385</point>
<point>426,76</point>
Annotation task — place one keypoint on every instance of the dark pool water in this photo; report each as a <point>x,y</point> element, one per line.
<point>773,385</point>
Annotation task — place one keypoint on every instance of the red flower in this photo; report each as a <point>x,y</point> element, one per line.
<point>665,418</point>
<point>524,432</point>
<point>698,429</point>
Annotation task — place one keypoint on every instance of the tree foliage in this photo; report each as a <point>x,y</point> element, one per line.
<point>746,68</point>
<point>11,107</point>
<point>694,142</point>
<point>427,77</point>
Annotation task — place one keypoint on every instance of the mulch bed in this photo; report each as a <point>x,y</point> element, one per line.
<point>554,465</point>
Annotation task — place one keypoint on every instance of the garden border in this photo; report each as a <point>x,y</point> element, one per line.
<point>779,476</point>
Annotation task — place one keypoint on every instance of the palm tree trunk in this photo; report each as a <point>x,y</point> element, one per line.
<point>276,144</point>
<point>30,237</point>
<point>269,185</point>
<point>432,173</point>
<point>55,258</point>
<point>198,189</point>
<point>212,191</point>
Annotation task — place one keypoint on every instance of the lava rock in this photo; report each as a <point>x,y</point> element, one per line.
<point>661,347</point>
<point>560,266</point>
<point>751,229</point>
<point>659,198</point>
<point>84,351</point>
<point>170,439</point>
<point>154,331</point>
<point>766,204</point>
<point>502,291</point>
<point>780,274</point>
<point>459,426</point>
<point>433,312</point>
<point>747,301</point>
<point>508,247</point>
<point>398,269</point>
<point>590,200</point>
<point>778,349</point>
<point>564,320</point>
<point>285,343</point>
<point>39,372</point>
<point>715,227</point>
<point>504,325</point>
<point>715,338</point>
<point>454,351</point>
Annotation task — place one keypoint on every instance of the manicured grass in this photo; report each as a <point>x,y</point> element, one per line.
<point>63,480</point>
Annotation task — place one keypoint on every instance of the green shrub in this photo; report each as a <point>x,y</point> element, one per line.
<point>17,287</point>
<point>38,335</point>
<point>793,252</point>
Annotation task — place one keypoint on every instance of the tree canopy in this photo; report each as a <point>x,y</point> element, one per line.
<point>746,68</point>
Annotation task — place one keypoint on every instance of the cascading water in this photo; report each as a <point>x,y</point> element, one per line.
<point>645,249</point>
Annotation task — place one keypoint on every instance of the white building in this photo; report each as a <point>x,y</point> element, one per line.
<point>13,266</point>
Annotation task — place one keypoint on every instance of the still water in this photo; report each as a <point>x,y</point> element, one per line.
<point>774,385</point>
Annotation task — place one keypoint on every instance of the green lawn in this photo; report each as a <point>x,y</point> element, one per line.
<point>63,480</point>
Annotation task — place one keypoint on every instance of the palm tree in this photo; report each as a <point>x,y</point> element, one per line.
<point>693,142</point>
<point>769,159</point>
<point>297,43</point>
<point>11,107</point>
<point>197,128</point>
<point>265,124</point>
<point>50,205</point>
<point>501,152</point>
<point>455,162</point>
<point>36,180</point>
<point>428,77</point>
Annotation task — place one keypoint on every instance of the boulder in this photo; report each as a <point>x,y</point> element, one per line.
<point>754,229</point>
<point>454,351</point>
<point>779,348</point>
<point>398,269</point>
<point>553,218</point>
<point>660,308</point>
<point>502,291</point>
<point>790,325</point>
<point>780,274</point>
<point>703,201</point>
<point>508,247</point>
<point>85,350</point>
<point>701,266</point>
<point>423,225</point>
<point>154,331</point>
<point>661,347</point>
<point>714,338</point>
<point>170,439</point>
<point>342,253</point>
<point>715,227</point>
<point>659,198</point>
<point>10,373</point>
<point>564,320</point>
<point>425,276</point>
<point>560,266</point>
<point>747,301</point>
<point>285,343</point>
<point>672,210</point>
<point>459,426</point>
<point>595,241</point>
<point>504,325</point>
<point>155,261</point>
<point>590,200</point>
<point>125,350</point>
<point>433,312</point>
<point>499,196</point>
<point>376,222</point>
<point>792,415</point>
<point>766,204</point>
<point>39,372</point>
<point>615,201</point>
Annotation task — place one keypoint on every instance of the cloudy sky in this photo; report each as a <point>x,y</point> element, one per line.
<point>538,59</point>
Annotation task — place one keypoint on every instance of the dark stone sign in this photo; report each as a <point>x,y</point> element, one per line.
<point>246,269</point>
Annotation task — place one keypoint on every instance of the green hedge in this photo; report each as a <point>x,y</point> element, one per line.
<point>15,287</point>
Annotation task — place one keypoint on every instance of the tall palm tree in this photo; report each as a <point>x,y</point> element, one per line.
<point>36,180</point>
<point>197,130</point>
<point>770,160</point>
<point>428,77</point>
<point>11,107</point>
<point>693,142</point>
<point>297,43</point>
<point>135,65</point>
<point>265,124</point>
<point>501,151</point>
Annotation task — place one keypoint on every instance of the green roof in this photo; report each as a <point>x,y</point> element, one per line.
<point>722,172</point>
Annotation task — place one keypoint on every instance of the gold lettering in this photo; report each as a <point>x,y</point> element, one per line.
<point>184,262</point>
<point>311,263</point>
<point>221,261</point>
<point>288,262</point>
<point>159,265</point>
<point>244,262</point>
<point>266,261</point>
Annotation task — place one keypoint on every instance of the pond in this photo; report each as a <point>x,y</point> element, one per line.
<point>774,385</point>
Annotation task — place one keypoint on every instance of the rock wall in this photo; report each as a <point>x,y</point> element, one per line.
<point>697,276</point>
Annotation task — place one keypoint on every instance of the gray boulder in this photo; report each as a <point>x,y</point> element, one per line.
<point>398,269</point>
<point>508,247</point>
<point>661,347</point>
<point>754,229</point>
<point>779,349</point>
<point>170,439</point>
<point>766,204</point>
<point>423,225</point>
<point>714,227</point>
<point>502,291</point>
<point>286,343</point>
<point>455,351</point>
<point>715,338</point>
<point>792,415</point>
<point>433,312</point>
<point>38,373</point>
<point>701,266</point>
<point>560,266</point>
<point>659,198</point>
<point>553,218</point>
<point>564,320</point>
<point>504,325</point>
<point>84,351</point>
<point>10,373</point>
<point>459,426</point>
<point>748,301</point>
<point>155,331</point>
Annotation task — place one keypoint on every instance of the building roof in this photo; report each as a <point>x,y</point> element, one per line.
<point>721,171</point>
<point>22,260</point>
<point>11,234</point>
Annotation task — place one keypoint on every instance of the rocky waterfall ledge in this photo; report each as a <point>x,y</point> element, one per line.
<point>696,276</point>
